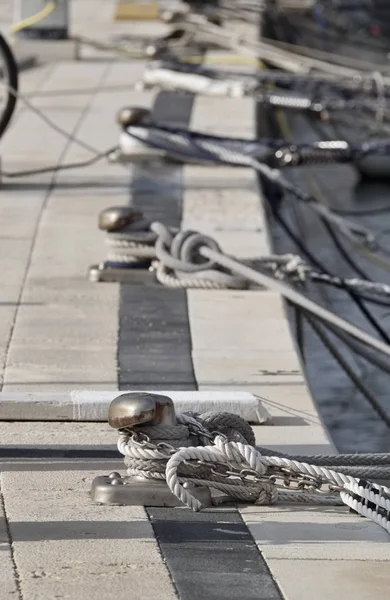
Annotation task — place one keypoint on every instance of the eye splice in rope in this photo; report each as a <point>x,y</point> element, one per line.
<point>199,148</point>
<point>184,259</point>
<point>134,245</point>
<point>170,72</point>
<point>144,142</point>
<point>204,460</point>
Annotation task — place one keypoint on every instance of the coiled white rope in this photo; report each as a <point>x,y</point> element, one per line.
<point>217,450</point>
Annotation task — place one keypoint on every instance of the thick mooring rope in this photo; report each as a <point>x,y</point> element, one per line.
<point>217,450</point>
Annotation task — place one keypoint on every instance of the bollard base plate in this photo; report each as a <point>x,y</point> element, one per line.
<point>104,273</point>
<point>130,491</point>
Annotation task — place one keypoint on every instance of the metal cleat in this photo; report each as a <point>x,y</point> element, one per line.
<point>125,412</point>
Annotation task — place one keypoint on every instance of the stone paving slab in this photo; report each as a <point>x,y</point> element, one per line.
<point>58,330</point>
<point>66,311</point>
<point>66,546</point>
<point>220,330</point>
<point>56,434</point>
<point>316,533</point>
<point>305,580</point>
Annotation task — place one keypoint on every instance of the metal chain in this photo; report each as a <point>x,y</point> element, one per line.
<point>190,452</point>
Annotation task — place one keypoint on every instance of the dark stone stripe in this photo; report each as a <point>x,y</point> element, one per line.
<point>54,452</point>
<point>212,555</point>
<point>154,349</point>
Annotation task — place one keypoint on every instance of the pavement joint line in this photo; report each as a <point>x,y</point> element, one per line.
<point>160,550</point>
<point>11,545</point>
<point>261,554</point>
<point>46,75</point>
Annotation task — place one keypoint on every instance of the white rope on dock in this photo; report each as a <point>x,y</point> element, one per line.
<point>217,450</point>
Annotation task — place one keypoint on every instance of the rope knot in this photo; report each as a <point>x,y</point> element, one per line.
<point>216,450</point>
<point>180,263</point>
<point>267,495</point>
<point>180,250</point>
<point>293,266</point>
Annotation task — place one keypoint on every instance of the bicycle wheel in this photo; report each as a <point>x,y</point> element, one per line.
<point>8,84</point>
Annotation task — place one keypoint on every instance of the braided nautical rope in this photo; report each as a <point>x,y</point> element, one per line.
<point>162,245</point>
<point>217,450</point>
<point>317,101</point>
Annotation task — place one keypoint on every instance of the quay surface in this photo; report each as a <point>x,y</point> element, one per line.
<point>59,333</point>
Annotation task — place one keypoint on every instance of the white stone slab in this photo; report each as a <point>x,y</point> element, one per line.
<point>64,434</point>
<point>65,546</point>
<point>93,406</point>
<point>331,579</point>
<point>294,436</point>
<point>305,532</point>
<point>52,331</point>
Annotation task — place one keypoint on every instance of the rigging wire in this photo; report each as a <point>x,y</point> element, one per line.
<point>98,154</point>
<point>352,344</point>
<point>358,300</point>
<point>60,167</point>
<point>354,378</point>
<point>383,210</point>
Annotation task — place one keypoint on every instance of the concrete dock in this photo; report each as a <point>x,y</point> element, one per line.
<point>60,333</point>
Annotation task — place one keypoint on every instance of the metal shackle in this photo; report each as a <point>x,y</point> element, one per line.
<point>141,408</point>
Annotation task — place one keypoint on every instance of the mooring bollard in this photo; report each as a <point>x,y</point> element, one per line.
<point>126,412</point>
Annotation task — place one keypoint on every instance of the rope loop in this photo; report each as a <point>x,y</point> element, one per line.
<point>186,245</point>
<point>217,450</point>
<point>179,258</point>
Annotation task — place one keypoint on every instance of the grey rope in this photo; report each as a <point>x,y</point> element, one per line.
<point>201,149</point>
<point>356,380</point>
<point>182,254</point>
<point>217,450</point>
<point>294,297</point>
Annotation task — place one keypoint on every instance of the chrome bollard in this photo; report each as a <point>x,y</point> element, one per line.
<point>116,218</point>
<point>137,408</point>
<point>132,116</point>
<point>124,227</point>
<point>126,411</point>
